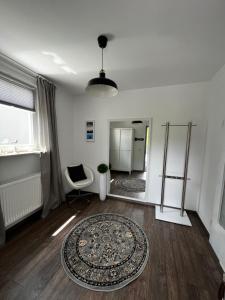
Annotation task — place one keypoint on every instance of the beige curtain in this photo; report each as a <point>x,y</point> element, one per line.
<point>51,176</point>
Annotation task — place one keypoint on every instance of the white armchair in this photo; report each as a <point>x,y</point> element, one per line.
<point>78,185</point>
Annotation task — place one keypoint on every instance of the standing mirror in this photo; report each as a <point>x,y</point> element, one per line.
<point>128,158</point>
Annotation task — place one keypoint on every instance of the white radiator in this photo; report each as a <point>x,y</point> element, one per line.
<point>20,198</point>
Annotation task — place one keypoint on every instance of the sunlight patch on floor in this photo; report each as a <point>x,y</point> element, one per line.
<point>63,225</point>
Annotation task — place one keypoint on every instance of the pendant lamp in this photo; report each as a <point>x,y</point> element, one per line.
<point>102,86</point>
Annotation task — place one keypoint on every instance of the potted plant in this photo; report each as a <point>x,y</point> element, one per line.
<point>102,169</point>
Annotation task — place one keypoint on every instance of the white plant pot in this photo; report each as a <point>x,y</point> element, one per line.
<point>102,186</point>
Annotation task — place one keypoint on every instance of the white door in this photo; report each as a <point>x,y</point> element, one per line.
<point>222,209</point>
<point>217,231</point>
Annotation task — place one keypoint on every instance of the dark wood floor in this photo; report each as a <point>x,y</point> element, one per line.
<point>181,265</point>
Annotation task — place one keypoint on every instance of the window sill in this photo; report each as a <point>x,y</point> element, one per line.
<point>19,153</point>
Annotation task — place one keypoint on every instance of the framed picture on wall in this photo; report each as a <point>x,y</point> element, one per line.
<point>90,131</point>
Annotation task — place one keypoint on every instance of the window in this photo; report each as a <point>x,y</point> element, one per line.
<point>17,118</point>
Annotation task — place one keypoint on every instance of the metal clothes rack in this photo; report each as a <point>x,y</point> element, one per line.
<point>184,177</point>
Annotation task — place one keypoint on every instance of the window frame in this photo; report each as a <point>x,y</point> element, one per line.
<point>35,147</point>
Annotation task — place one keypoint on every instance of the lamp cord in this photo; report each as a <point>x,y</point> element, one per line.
<point>102,58</point>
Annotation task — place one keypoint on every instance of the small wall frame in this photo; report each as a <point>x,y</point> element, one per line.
<point>90,131</point>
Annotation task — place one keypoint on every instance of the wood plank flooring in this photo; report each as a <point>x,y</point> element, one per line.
<point>181,265</point>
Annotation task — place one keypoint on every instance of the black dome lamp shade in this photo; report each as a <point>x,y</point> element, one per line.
<point>102,86</point>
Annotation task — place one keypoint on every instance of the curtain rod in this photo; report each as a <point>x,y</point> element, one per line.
<point>21,67</point>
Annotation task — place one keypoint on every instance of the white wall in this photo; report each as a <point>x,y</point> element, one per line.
<point>18,166</point>
<point>178,104</point>
<point>214,163</point>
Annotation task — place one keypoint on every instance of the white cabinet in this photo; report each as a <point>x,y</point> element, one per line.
<point>126,139</point>
<point>115,139</point>
<point>115,159</point>
<point>121,149</point>
<point>125,161</point>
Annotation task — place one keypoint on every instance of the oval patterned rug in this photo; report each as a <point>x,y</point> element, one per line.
<point>105,252</point>
<point>135,185</point>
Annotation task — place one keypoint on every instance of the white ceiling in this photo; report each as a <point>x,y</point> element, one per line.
<point>156,42</point>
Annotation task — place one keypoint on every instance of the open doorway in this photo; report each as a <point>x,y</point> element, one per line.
<point>128,158</point>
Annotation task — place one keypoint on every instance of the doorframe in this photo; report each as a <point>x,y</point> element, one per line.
<point>150,121</point>
<point>146,131</point>
<point>217,230</point>
<point>218,208</point>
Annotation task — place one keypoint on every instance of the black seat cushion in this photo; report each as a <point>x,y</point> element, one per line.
<point>77,173</point>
